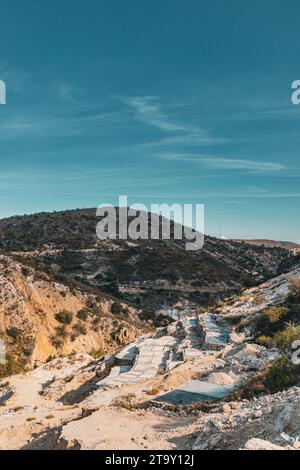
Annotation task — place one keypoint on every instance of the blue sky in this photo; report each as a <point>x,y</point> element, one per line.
<point>164,101</point>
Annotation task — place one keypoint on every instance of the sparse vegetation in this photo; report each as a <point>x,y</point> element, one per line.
<point>116,308</point>
<point>50,358</point>
<point>56,342</point>
<point>154,390</point>
<point>98,353</point>
<point>284,339</point>
<point>83,314</point>
<point>61,332</point>
<point>25,271</point>
<point>268,319</point>
<point>128,401</point>
<point>80,329</point>
<point>259,299</point>
<point>278,376</point>
<point>13,332</point>
<point>281,375</point>
<point>294,284</point>
<point>266,341</point>
<point>64,317</point>
<point>13,365</point>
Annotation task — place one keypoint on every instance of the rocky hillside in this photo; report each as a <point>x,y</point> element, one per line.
<point>42,318</point>
<point>278,243</point>
<point>149,274</point>
<point>79,402</point>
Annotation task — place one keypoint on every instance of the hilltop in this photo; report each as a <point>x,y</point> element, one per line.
<point>272,243</point>
<point>147,273</point>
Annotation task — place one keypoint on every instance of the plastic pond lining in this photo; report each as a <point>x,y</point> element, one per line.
<point>195,391</point>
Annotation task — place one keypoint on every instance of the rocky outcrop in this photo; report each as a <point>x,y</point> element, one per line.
<point>41,318</point>
<point>261,444</point>
<point>274,418</point>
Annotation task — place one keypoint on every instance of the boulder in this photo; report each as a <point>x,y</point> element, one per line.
<point>261,444</point>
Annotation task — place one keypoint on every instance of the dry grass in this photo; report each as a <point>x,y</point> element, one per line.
<point>128,401</point>
<point>294,284</point>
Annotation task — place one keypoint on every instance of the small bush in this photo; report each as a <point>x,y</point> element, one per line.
<point>56,342</point>
<point>154,390</point>
<point>64,317</point>
<point>80,329</point>
<point>266,341</point>
<point>25,271</point>
<point>249,390</point>
<point>83,314</point>
<point>294,284</point>
<point>274,314</point>
<point>50,358</point>
<point>61,331</point>
<point>268,319</point>
<point>97,353</point>
<point>12,366</point>
<point>281,375</point>
<point>13,332</point>
<point>116,308</point>
<point>126,401</point>
<point>259,299</point>
<point>286,337</point>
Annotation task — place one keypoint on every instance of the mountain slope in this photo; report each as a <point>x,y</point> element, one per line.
<point>42,318</point>
<point>144,272</point>
<point>272,243</point>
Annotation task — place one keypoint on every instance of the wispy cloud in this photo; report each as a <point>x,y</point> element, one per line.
<point>149,111</point>
<point>220,163</point>
<point>35,125</point>
<point>201,137</point>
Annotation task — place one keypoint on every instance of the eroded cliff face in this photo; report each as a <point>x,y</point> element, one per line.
<point>40,317</point>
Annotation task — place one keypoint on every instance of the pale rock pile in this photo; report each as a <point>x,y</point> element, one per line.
<point>273,418</point>
<point>249,357</point>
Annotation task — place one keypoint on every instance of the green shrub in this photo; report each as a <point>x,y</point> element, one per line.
<point>128,401</point>
<point>56,342</point>
<point>285,338</point>
<point>268,319</point>
<point>13,332</point>
<point>266,341</point>
<point>294,284</point>
<point>274,314</point>
<point>259,299</point>
<point>25,271</point>
<point>50,358</point>
<point>80,329</point>
<point>116,308</point>
<point>97,353</point>
<point>12,366</point>
<point>281,375</point>
<point>83,314</point>
<point>61,331</point>
<point>64,317</point>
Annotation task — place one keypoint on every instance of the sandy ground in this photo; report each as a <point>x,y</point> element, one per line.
<point>31,420</point>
